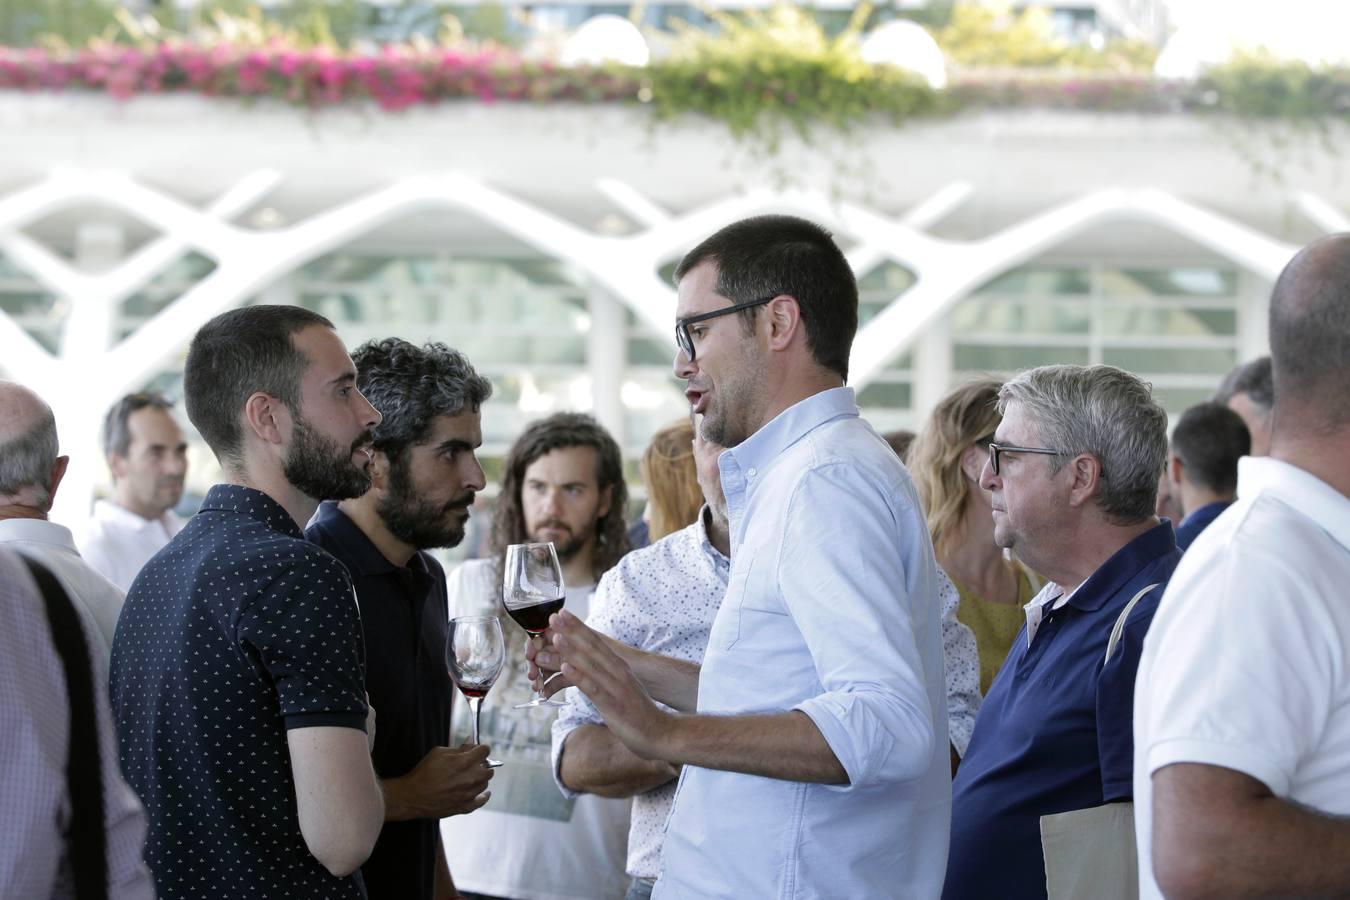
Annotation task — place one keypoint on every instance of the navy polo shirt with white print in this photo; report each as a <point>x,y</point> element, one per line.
<point>234,633</point>
<point>1056,731</point>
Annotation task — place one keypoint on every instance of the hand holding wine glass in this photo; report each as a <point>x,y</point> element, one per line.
<point>532,591</point>
<point>475,653</point>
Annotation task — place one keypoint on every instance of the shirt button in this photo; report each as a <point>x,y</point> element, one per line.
<point>753,472</point>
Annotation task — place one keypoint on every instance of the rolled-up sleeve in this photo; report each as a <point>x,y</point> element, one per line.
<point>858,600</point>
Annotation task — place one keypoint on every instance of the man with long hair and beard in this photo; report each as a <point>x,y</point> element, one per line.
<point>238,672</point>
<point>424,476</point>
<point>562,482</point>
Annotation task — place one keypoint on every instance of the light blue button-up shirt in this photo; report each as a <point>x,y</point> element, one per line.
<point>832,609</point>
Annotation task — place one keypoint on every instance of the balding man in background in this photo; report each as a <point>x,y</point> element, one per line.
<point>31,469</point>
<point>1242,705</point>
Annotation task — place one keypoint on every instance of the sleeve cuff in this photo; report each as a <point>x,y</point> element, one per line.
<point>559,747</point>
<point>329,719</point>
<point>829,716</point>
<point>1212,753</point>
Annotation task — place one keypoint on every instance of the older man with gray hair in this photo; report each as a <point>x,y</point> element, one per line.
<point>1072,475</point>
<point>31,469</point>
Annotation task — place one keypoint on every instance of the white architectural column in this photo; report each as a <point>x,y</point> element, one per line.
<point>932,368</point>
<point>607,358</point>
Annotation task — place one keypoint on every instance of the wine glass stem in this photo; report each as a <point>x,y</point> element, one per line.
<point>476,707</point>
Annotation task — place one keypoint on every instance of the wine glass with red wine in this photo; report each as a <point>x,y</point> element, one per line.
<point>475,653</point>
<point>532,590</point>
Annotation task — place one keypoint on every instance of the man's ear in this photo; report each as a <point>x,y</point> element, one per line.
<point>785,319</point>
<point>379,471</point>
<point>1174,468</point>
<point>267,418</point>
<point>972,462</point>
<point>1087,476</point>
<point>117,465</point>
<point>58,473</point>
<point>606,501</point>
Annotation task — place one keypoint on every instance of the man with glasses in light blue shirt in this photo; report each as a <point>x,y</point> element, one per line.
<point>817,763</point>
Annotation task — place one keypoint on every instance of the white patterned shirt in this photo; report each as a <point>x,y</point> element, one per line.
<point>961,659</point>
<point>34,740</point>
<point>662,599</point>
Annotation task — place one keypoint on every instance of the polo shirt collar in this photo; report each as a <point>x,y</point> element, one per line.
<point>1207,513</point>
<point>757,452</point>
<point>1103,584</point>
<point>254,504</point>
<point>116,514</point>
<point>1300,490</point>
<point>359,553</point>
<point>38,531</point>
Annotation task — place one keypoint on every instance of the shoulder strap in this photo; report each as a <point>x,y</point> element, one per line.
<point>1117,631</point>
<point>84,779</point>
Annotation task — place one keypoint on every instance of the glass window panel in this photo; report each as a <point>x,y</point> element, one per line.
<point>889,279</point>
<point>1039,281</point>
<point>1182,281</point>
<point>886,395</point>
<point>1036,315</point>
<point>1123,319</point>
<point>1177,400</point>
<point>647,352</point>
<point>975,358</point>
<point>1180,360</point>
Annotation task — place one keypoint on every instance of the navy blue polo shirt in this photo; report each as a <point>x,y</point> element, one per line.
<point>235,632</point>
<point>404,617</point>
<point>1056,732</point>
<point>1198,521</point>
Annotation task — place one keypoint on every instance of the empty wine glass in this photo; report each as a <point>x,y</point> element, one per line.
<point>475,653</point>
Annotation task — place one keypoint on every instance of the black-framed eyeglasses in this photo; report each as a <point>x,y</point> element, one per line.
<point>996,449</point>
<point>685,341</point>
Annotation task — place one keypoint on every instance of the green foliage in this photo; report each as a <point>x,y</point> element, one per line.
<point>763,71</point>
<point>1258,85</point>
<point>982,35</point>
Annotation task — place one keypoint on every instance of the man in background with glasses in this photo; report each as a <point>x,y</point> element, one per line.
<point>817,761</point>
<point>423,478</point>
<point>1072,475</point>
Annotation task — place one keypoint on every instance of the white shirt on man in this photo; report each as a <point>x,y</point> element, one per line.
<point>831,609</point>
<point>1247,664</point>
<point>529,842</point>
<point>662,599</point>
<point>118,543</point>
<point>53,546</point>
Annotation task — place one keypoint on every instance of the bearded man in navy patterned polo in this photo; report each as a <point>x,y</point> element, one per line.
<point>238,673</point>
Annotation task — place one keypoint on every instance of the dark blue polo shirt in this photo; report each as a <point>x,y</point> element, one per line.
<point>235,632</point>
<point>404,617</point>
<point>1056,732</point>
<point>1198,521</point>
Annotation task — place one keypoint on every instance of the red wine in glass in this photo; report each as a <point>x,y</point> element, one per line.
<point>534,618</point>
<point>532,590</point>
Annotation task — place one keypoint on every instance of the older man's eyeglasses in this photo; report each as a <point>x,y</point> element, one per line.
<point>996,450</point>
<point>685,341</point>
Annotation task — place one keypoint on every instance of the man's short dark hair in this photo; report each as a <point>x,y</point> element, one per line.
<point>1210,438</point>
<point>1310,333</point>
<point>236,354</point>
<point>557,432</point>
<point>412,385</point>
<point>116,434</point>
<point>1252,378</point>
<point>769,255</point>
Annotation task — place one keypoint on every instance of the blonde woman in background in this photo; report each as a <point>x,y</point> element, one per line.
<point>673,495</point>
<point>946,461</point>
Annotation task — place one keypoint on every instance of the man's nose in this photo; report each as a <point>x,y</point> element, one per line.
<point>988,480</point>
<point>683,365</point>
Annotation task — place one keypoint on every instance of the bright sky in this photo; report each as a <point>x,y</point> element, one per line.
<point>1314,30</point>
